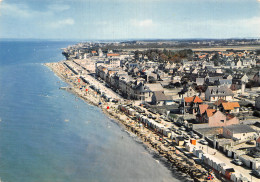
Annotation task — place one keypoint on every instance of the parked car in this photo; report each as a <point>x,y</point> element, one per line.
<point>186,137</point>
<point>183,128</point>
<point>250,143</point>
<point>196,136</point>
<point>190,133</point>
<point>178,132</point>
<point>174,129</point>
<point>203,142</point>
<point>197,160</point>
<point>256,173</point>
<point>237,162</point>
<point>115,101</point>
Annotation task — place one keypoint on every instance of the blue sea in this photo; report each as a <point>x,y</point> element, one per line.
<point>49,135</point>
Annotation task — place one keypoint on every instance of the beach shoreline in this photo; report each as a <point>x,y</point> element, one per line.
<point>181,166</point>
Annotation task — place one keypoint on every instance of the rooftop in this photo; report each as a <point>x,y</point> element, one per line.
<point>230,105</point>
<point>240,128</point>
<point>210,112</point>
<point>194,99</point>
<point>203,108</point>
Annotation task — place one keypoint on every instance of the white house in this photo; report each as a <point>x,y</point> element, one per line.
<point>214,93</point>
<point>239,132</point>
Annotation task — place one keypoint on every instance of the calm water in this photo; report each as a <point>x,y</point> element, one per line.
<point>48,135</point>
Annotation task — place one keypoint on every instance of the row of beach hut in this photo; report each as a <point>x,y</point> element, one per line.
<point>127,110</point>
<point>158,127</point>
<point>216,164</point>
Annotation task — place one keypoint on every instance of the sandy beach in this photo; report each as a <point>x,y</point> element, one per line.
<point>186,169</point>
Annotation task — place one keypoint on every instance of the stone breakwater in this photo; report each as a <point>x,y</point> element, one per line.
<point>175,159</point>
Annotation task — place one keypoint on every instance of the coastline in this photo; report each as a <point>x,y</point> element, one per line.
<point>181,166</point>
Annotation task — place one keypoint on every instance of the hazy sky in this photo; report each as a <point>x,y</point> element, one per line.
<point>126,19</point>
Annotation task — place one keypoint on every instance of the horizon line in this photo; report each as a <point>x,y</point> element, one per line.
<point>128,39</point>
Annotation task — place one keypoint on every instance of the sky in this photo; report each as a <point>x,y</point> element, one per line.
<point>129,19</point>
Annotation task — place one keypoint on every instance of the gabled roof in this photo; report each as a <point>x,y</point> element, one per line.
<point>230,105</point>
<point>112,54</point>
<point>203,108</point>
<point>229,116</point>
<point>197,100</point>
<point>188,99</point>
<point>219,102</point>
<point>194,99</point>
<point>240,128</point>
<point>142,88</point>
<point>220,91</point>
<point>258,140</point>
<point>155,87</point>
<point>160,96</point>
<point>210,112</point>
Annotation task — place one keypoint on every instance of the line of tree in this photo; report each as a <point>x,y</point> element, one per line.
<point>165,55</point>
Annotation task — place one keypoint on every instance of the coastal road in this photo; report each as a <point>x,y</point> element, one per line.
<point>93,81</point>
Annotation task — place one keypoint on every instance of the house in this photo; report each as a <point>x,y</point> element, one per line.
<point>219,119</point>
<point>217,104</point>
<point>155,87</point>
<point>239,78</point>
<point>94,53</point>
<point>229,77</point>
<point>100,52</point>
<point>256,77</point>
<point>214,93</point>
<point>248,62</point>
<point>239,132</point>
<point>239,64</point>
<point>227,82</point>
<point>212,80</point>
<point>188,91</point>
<point>239,82</point>
<point>179,140</point>
<point>176,79</point>
<point>142,92</point>
<point>191,104</point>
<point>201,110</point>
<point>257,103</point>
<point>230,107</point>
<point>113,62</point>
<point>258,142</point>
<point>216,118</point>
<point>113,55</point>
<point>160,99</point>
<point>207,114</point>
<point>200,81</point>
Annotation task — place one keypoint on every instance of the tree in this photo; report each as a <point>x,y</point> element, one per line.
<point>136,56</point>
<point>151,79</point>
<point>216,59</point>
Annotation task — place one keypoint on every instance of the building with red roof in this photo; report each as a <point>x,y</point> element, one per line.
<point>230,107</point>
<point>110,55</point>
<point>258,142</point>
<point>216,118</point>
<point>191,104</point>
